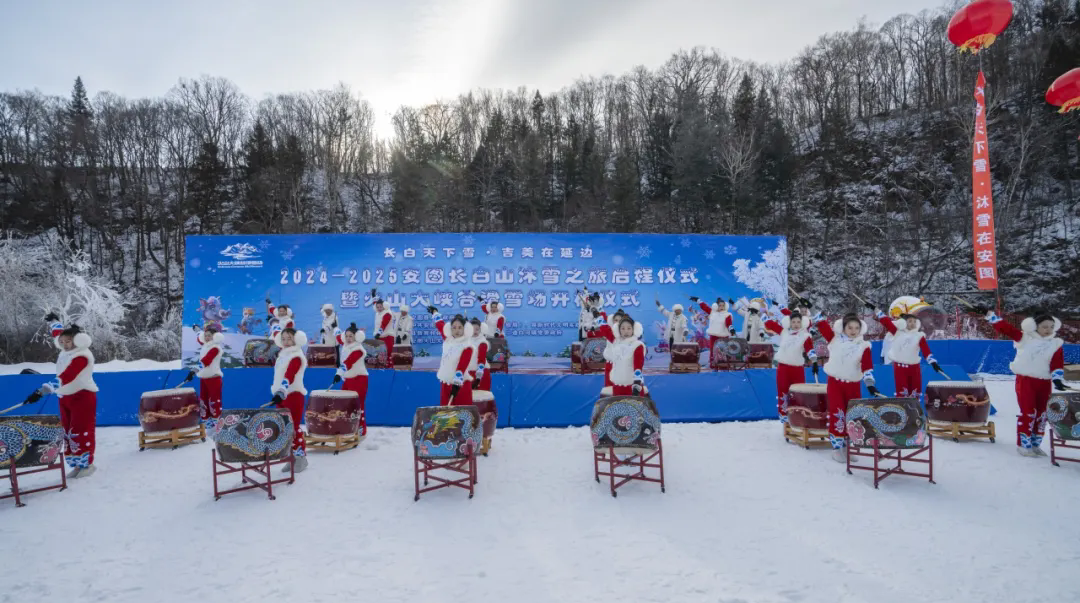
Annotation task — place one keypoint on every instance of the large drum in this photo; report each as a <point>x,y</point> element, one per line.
<point>322,355</point>
<point>403,357</point>
<point>260,352</point>
<point>685,357</point>
<point>251,434</point>
<point>30,440</point>
<point>592,355</point>
<point>446,432</point>
<point>498,355</point>
<point>888,422</point>
<point>168,409</point>
<point>629,424</point>
<point>808,407</point>
<point>760,355</point>
<point>333,412</point>
<point>376,354</point>
<point>1063,413</point>
<point>963,402</point>
<point>729,351</point>
<point>489,414</point>
<point>575,357</point>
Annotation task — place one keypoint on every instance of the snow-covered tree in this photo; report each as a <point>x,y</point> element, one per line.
<point>769,276</point>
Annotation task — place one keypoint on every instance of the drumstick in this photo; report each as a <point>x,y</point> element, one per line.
<point>964,301</point>
<point>859,298</point>
<point>10,408</point>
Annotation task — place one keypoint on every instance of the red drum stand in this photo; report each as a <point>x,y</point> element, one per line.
<point>1055,443</point>
<point>14,474</point>
<point>637,463</point>
<point>923,454</point>
<point>246,469</point>
<point>465,466</point>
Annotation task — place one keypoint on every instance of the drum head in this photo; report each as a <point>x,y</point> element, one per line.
<point>160,393</point>
<point>809,388</point>
<point>1063,412</point>
<point>888,422</point>
<point>30,440</point>
<point>446,431</point>
<point>628,422</point>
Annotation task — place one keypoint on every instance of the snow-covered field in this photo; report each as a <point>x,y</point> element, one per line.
<point>746,518</point>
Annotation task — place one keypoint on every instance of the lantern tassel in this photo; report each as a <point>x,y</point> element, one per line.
<point>974,45</point>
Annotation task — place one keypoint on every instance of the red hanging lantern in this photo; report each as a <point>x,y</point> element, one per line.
<point>1065,92</point>
<point>976,26</point>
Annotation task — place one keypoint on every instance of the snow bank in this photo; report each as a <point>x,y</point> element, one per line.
<point>745,518</point>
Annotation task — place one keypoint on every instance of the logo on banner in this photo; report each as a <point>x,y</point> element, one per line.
<point>243,255</point>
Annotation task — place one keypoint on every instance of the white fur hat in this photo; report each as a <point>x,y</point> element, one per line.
<point>838,327</point>
<point>1028,325</point>
<point>300,339</point>
<point>757,306</point>
<point>716,306</point>
<point>404,307</point>
<point>677,307</point>
<point>326,307</point>
<point>217,338</point>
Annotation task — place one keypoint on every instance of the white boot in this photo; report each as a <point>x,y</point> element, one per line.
<point>299,464</point>
<point>79,472</point>
<point>1038,451</point>
<point>839,455</point>
<point>1028,452</point>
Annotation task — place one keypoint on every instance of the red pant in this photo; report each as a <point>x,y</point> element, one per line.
<point>358,384</point>
<point>389,341</point>
<point>838,394</point>
<point>210,398</point>
<point>712,344</point>
<point>294,403</point>
<point>78,417</point>
<point>607,375</point>
<point>786,376</point>
<point>1032,394</point>
<point>463,398</point>
<point>908,379</point>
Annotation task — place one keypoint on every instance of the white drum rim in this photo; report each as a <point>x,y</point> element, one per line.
<point>955,384</point>
<point>809,388</point>
<point>161,393</point>
<point>334,393</point>
<point>814,431</point>
<point>939,423</point>
<point>479,395</point>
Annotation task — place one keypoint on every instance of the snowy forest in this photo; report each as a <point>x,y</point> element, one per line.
<point>858,150</point>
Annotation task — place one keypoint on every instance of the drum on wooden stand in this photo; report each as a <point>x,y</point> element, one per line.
<point>260,352</point>
<point>403,357</point>
<point>889,429</point>
<point>575,357</point>
<point>729,353</point>
<point>445,440</point>
<point>625,434</point>
<point>30,444</point>
<point>322,355</point>
<point>759,355</point>
<point>808,415</point>
<point>333,420</point>
<point>484,401</point>
<point>251,441</point>
<point>685,358</point>
<point>1063,417</point>
<point>592,355</point>
<point>498,355</point>
<point>170,418</point>
<point>376,354</point>
<point>959,410</point>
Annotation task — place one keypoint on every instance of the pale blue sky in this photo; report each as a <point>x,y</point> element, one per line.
<point>394,51</point>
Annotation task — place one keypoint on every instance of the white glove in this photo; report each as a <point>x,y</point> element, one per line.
<point>50,387</point>
<point>459,379</point>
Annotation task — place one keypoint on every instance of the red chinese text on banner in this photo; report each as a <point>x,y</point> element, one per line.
<point>982,198</point>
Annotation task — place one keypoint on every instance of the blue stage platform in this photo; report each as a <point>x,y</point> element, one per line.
<point>524,400</point>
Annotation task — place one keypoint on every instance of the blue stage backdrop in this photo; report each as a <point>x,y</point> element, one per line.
<point>534,275</point>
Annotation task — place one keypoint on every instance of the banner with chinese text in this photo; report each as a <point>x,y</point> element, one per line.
<point>982,197</point>
<point>536,276</point>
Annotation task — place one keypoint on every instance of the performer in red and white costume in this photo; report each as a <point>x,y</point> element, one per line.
<point>352,369</point>
<point>209,373</point>
<point>753,325</point>
<point>720,323</point>
<point>849,365</point>
<point>495,320</point>
<point>384,327</point>
<point>77,393</point>
<point>1039,364</point>
<point>627,358</point>
<point>481,378</point>
<point>457,353</point>
<point>282,313</point>
<point>329,324</point>
<point>908,342</point>
<point>288,388</point>
<point>796,347</point>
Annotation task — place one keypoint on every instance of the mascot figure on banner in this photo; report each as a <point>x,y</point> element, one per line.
<point>213,314</point>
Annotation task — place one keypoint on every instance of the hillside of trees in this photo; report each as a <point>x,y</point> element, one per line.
<point>858,150</point>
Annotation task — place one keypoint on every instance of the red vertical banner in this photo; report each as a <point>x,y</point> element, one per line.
<point>982,197</point>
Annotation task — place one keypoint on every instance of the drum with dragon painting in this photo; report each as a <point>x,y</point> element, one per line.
<point>592,355</point>
<point>168,409</point>
<point>260,352</point>
<point>1063,414</point>
<point>30,441</point>
<point>729,351</point>
<point>888,422</point>
<point>760,355</point>
<point>446,432</point>
<point>333,412</point>
<point>964,402</point>
<point>498,355</point>
<point>685,357</point>
<point>625,423</point>
<point>403,357</point>
<point>248,435</point>
<point>808,407</point>
<point>376,354</point>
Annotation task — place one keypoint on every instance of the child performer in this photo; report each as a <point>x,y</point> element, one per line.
<point>627,358</point>
<point>403,326</point>
<point>283,314</point>
<point>209,373</point>
<point>720,324</point>
<point>77,393</point>
<point>384,328</point>
<point>495,319</point>
<point>850,362</point>
<point>481,378</point>
<point>457,354</point>
<point>796,347</point>
<point>677,329</point>
<point>329,324</point>
<point>352,369</point>
<point>908,341</point>
<point>1039,362</point>
<point>288,388</point>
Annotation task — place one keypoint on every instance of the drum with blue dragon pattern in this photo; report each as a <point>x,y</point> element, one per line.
<point>625,422</point>
<point>1063,413</point>
<point>887,422</point>
<point>252,434</point>
<point>30,440</point>
<point>446,432</point>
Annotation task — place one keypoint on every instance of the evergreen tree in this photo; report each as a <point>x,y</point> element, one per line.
<point>208,194</point>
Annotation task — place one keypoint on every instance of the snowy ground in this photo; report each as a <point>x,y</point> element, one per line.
<point>746,518</point>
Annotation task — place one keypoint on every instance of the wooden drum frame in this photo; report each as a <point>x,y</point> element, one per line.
<point>970,398</point>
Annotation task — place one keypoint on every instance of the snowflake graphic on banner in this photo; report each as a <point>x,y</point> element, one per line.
<point>469,240</point>
<point>264,244</point>
<point>684,241</point>
<point>644,251</point>
<point>730,250</point>
<point>287,254</point>
<point>710,254</point>
<point>491,250</point>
